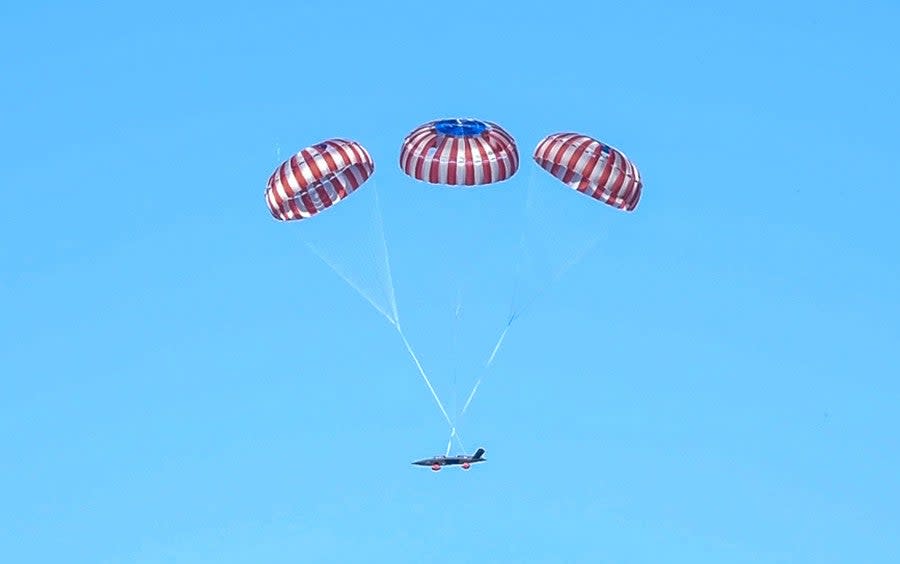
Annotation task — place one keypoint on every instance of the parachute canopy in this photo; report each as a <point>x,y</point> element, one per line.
<point>459,152</point>
<point>591,167</point>
<point>317,178</point>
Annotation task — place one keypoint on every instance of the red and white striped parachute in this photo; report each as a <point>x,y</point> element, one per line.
<point>591,167</point>
<point>459,152</point>
<point>316,178</point>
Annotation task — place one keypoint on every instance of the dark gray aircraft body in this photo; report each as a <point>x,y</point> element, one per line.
<point>463,460</point>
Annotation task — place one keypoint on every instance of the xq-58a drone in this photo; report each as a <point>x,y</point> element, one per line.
<point>463,460</point>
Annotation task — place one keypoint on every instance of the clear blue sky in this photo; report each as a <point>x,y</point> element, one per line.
<point>184,381</point>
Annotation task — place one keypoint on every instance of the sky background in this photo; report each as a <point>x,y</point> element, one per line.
<point>183,381</point>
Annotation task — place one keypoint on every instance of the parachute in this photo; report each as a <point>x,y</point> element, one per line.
<point>319,177</point>
<point>591,167</point>
<point>459,152</point>
<point>455,153</point>
<point>316,178</point>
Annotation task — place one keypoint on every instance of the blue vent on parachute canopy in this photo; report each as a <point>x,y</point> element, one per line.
<point>460,127</point>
